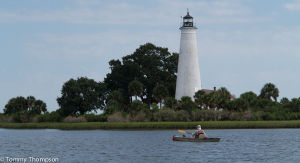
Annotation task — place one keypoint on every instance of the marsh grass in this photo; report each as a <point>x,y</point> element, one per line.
<point>155,125</point>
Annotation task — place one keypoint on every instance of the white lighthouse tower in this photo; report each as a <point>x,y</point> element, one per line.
<point>188,75</point>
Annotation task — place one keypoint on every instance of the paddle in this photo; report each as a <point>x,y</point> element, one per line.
<point>184,132</point>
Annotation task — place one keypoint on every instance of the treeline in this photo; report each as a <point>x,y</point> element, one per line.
<point>141,87</point>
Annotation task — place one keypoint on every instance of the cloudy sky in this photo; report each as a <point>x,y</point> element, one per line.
<point>242,44</point>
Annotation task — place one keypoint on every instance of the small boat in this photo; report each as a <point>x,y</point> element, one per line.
<point>178,138</point>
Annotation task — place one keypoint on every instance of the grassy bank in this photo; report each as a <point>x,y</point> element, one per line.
<point>156,125</point>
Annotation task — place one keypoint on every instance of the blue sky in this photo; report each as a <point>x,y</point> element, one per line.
<point>242,44</point>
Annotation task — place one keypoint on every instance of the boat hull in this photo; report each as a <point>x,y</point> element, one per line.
<point>177,138</point>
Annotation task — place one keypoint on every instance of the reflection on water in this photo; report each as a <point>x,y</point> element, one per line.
<point>248,145</point>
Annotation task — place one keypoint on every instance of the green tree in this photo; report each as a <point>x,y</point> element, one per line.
<point>135,88</point>
<point>15,105</point>
<point>30,101</point>
<point>39,106</point>
<point>269,90</point>
<point>224,93</point>
<point>171,102</point>
<point>295,104</point>
<point>137,106</point>
<point>81,96</point>
<point>149,65</point>
<point>284,100</point>
<point>115,102</point>
<point>250,97</point>
<point>212,100</point>
<point>199,98</point>
<point>263,105</point>
<point>237,105</point>
<point>160,92</point>
<point>22,105</point>
<point>186,103</point>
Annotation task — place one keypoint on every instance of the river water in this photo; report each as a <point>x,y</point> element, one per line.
<point>89,146</point>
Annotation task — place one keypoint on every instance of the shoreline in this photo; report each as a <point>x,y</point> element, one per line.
<point>156,125</point>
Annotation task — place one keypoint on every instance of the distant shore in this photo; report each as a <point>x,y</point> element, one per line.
<point>156,125</point>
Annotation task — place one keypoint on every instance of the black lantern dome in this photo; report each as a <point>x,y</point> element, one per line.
<point>188,20</point>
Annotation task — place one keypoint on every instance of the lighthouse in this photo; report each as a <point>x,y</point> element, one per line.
<point>188,74</point>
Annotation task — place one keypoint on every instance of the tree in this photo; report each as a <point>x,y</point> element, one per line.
<point>39,106</point>
<point>81,95</point>
<point>30,101</point>
<point>295,104</point>
<point>284,100</point>
<point>137,106</point>
<point>263,105</point>
<point>15,105</point>
<point>250,97</point>
<point>186,103</point>
<point>160,92</point>
<point>135,88</point>
<point>214,100</point>
<point>269,90</point>
<point>171,102</point>
<point>199,98</point>
<point>237,105</point>
<point>21,105</point>
<point>150,65</point>
<point>224,93</point>
<point>115,102</point>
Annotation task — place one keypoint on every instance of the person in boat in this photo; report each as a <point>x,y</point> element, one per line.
<point>199,133</point>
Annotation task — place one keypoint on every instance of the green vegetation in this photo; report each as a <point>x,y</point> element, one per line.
<point>20,105</point>
<point>155,125</point>
<point>149,75</point>
<point>81,96</point>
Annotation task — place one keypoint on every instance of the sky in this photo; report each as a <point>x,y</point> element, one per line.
<point>242,44</point>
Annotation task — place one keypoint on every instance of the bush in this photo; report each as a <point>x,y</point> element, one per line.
<point>71,119</point>
<point>247,116</point>
<point>164,115</point>
<point>256,117</point>
<point>24,118</point>
<point>205,115</point>
<point>95,118</point>
<point>270,117</point>
<point>16,118</point>
<point>6,119</point>
<point>140,117</point>
<point>182,115</point>
<point>116,117</point>
<point>48,117</point>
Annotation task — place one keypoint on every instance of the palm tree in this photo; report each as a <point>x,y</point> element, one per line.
<point>224,93</point>
<point>186,103</point>
<point>199,98</point>
<point>135,88</point>
<point>160,92</point>
<point>39,106</point>
<point>284,100</point>
<point>215,99</point>
<point>30,101</point>
<point>171,102</point>
<point>268,91</point>
<point>116,99</point>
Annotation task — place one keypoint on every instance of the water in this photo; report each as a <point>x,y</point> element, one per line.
<point>248,145</point>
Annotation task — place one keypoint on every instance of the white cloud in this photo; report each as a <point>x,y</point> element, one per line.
<point>293,6</point>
